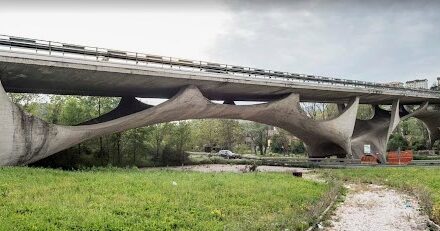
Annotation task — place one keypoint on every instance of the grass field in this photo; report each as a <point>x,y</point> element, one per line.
<point>121,199</point>
<point>424,182</point>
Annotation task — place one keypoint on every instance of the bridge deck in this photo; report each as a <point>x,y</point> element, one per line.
<point>38,70</point>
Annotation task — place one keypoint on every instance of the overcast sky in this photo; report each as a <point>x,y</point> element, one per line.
<point>376,41</point>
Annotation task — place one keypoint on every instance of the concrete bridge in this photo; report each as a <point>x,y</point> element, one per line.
<point>35,66</point>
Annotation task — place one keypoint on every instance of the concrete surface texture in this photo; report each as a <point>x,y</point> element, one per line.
<point>377,130</point>
<point>431,118</point>
<point>25,139</point>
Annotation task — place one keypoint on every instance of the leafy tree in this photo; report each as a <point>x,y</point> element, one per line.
<point>259,134</point>
<point>205,132</point>
<point>74,111</point>
<point>320,111</point>
<point>397,141</point>
<point>297,147</point>
<point>436,146</point>
<point>280,143</point>
<point>160,133</point>
<point>54,108</point>
<point>419,144</point>
<point>174,151</point>
<point>230,133</point>
<point>365,112</point>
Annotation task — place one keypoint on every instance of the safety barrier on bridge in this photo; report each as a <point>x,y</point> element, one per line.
<point>109,55</point>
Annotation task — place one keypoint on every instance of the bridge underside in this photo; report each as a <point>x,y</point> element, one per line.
<point>35,73</point>
<point>25,139</point>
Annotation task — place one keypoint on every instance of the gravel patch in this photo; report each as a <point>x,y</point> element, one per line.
<point>237,168</point>
<point>373,207</point>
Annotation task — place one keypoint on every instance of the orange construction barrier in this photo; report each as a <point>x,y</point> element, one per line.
<point>405,157</point>
<point>369,159</point>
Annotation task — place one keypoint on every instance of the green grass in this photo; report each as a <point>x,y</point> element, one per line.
<point>120,199</point>
<point>422,181</point>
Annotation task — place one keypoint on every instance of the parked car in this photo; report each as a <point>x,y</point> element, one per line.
<point>228,154</point>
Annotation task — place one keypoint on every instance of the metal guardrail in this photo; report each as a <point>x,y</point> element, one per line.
<point>425,162</point>
<point>309,161</point>
<point>109,55</point>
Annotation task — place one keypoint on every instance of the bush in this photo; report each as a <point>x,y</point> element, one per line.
<point>419,144</point>
<point>242,149</point>
<point>279,144</point>
<point>436,146</point>
<point>170,156</point>
<point>297,147</point>
<point>397,141</point>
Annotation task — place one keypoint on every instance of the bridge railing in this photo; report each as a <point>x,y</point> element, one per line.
<point>109,55</point>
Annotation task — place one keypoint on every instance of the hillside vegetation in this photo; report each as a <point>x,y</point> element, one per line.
<point>116,199</point>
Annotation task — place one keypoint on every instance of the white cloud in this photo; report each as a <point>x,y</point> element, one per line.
<point>383,42</point>
<point>379,41</point>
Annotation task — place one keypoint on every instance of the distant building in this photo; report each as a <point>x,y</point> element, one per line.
<point>395,84</point>
<point>273,131</point>
<point>436,86</point>
<point>417,84</point>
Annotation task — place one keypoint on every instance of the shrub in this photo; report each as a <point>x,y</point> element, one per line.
<point>242,149</point>
<point>170,156</point>
<point>419,145</point>
<point>397,141</point>
<point>297,147</point>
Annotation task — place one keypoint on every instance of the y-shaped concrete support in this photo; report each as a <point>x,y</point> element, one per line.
<point>26,139</point>
<point>376,131</point>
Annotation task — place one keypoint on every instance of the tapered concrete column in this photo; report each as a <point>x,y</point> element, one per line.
<point>23,137</point>
<point>33,139</point>
<point>377,131</point>
<point>7,127</point>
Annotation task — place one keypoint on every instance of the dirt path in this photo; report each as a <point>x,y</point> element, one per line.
<point>237,168</point>
<point>373,207</point>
